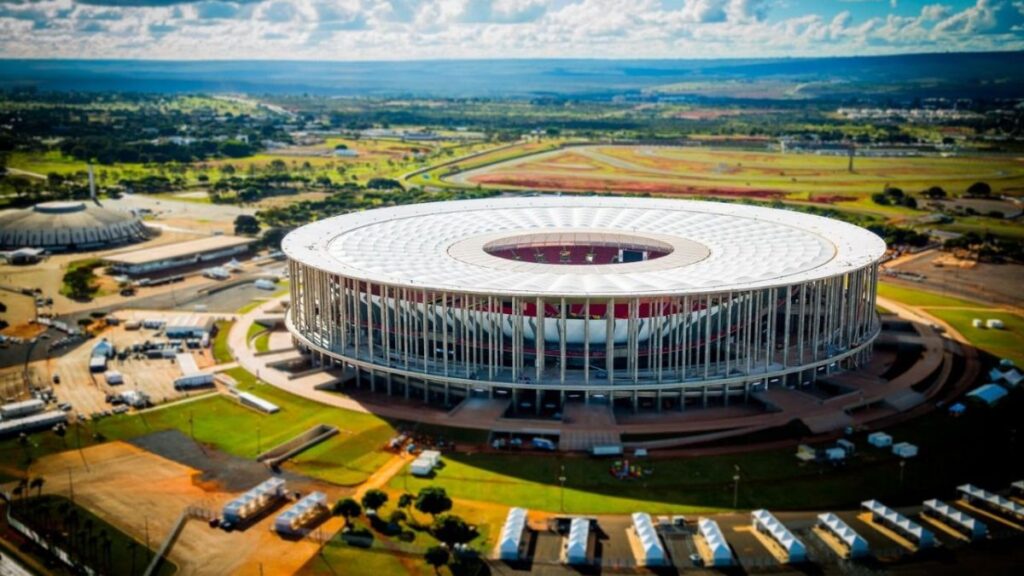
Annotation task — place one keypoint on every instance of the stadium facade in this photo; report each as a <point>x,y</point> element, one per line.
<point>660,304</point>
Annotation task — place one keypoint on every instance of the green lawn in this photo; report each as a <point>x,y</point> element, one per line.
<point>250,306</point>
<point>255,330</point>
<point>227,425</point>
<point>1005,343</point>
<point>952,450</point>
<point>123,555</point>
<point>917,297</point>
<point>221,350</point>
<point>262,342</point>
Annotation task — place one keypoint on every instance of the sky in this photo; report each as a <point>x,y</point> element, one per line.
<point>484,29</point>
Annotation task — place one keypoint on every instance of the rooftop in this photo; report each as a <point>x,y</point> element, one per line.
<point>703,246</point>
<point>177,250</point>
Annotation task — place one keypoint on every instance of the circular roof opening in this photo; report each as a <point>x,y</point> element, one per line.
<point>577,248</point>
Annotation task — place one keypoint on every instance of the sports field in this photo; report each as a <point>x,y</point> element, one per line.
<point>737,173</point>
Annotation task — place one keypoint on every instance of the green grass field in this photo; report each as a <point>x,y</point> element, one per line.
<point>918,297</point>
<point>221,350</point>
<point>953,450</point>
<point>1001,343</point>
<point>250,306</point>
<point>960,313</point>
<point>262,342</point>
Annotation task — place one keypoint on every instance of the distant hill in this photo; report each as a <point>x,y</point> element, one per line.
<point>988,75</point>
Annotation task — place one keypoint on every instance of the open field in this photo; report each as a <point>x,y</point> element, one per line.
<point>952,450</point>
<point>959,313</point>
<point>760,175</point>
<point>1007,342</point>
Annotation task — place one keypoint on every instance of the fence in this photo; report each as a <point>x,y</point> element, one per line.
<point>57,551</point>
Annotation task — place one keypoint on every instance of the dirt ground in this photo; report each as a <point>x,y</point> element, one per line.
<point>86,391</point>
<point>140,493</point>
<point>998,283</point>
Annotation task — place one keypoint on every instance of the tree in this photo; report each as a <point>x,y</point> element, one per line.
<point>347,509</point>
<point>452,530</point>
<point>979,189</point>
<point>935,193</point>
<point>374,499</point>
<point>247,225</point>
<point>437,556</point>
<point>406,500</point>
<point>37,484</point>
<point>433,500</point>
<point>397,517</point>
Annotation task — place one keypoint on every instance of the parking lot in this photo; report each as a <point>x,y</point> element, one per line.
<point>87,391</point>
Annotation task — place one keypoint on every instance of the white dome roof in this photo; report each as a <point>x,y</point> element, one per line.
<point>715,247</point>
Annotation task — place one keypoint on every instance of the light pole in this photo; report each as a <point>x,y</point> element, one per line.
<point>258,441</point>
<point>561,484</point>
<point>736,488</point>
<point>903,465</point>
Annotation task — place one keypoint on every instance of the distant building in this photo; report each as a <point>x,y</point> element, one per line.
<point>177,255</point>
<point>68,226</point>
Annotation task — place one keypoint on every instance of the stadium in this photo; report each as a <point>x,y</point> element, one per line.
<point>648,303</point>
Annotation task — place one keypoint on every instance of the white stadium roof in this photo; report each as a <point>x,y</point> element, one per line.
<point>716,247</point>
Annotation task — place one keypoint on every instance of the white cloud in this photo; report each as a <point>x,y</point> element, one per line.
<point>410,29</point>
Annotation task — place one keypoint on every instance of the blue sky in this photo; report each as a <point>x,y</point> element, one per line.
<point>413,29</point>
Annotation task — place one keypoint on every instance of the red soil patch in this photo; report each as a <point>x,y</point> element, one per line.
<point>597,185</point>
<point>832,199</point>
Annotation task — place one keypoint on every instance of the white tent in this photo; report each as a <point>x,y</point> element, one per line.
<point>576,545</point>
<point>901,524</point>
<point>512,534</point>
<point>653,551</point>
<point>421,467</point>
<point>432,456</point>
<point>992,501</point>
<point>766,522</point>
<point>953,517</point>
<point>721,555</point>
<point>855,544</point>
<point>880,439</point>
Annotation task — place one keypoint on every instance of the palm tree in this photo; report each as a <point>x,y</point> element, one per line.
<point>132,546</point>
<point>38,483</point>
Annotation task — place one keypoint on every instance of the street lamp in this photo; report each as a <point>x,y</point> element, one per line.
<point>903,465</point>
<point>561,484</point>
<point>736,488</point>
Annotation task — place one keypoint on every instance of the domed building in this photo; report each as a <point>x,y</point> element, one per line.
<point>68,226</point>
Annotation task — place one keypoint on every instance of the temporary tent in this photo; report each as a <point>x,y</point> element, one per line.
<point>880,439</point>
<point>904,450</point>
<point>766,522</point>
<point>421,467</point>
<point>953,517</point>
<point>293,519</point>
<point>856,545</point>
<point>432,456</point>
<point>650,546</point>
<point>993,502</point>
<point>721,555</point>
<point>901,524</point>
<point>577,542</point>
<point>254,501</point>
<point>989,393</point>
<point>512,534</point>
